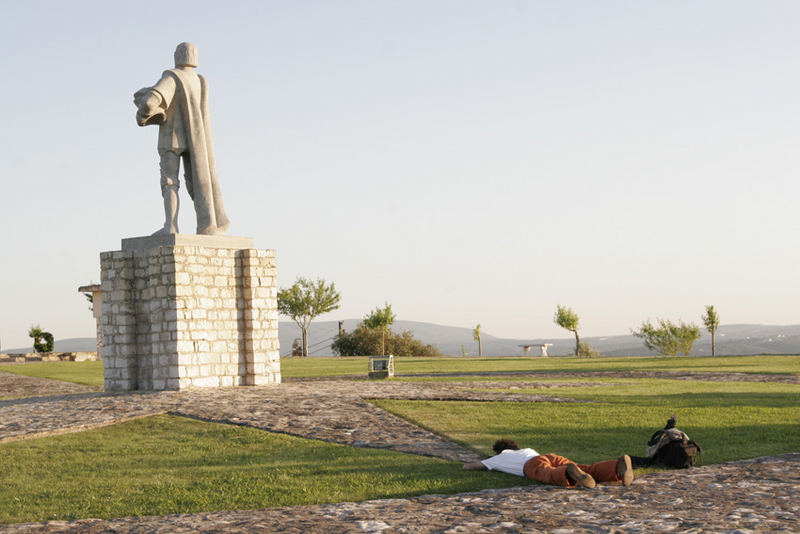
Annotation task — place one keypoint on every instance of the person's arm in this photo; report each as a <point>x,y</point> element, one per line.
<point>475,466</point>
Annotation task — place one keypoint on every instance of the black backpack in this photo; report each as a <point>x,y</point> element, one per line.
<point>671,447</point>
<point>676,452</point>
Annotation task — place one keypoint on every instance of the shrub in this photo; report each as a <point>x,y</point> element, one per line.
<point>585,350</point>
<point>668,338</point>
<point>365,341</point>
<point>42,341</point>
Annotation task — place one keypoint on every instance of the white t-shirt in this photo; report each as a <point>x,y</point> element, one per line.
<point>510,461</point>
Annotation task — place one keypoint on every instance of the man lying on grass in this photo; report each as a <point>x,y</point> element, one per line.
<point>552,468</point>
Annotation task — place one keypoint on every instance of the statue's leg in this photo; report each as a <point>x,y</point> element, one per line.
<point>170,164</point>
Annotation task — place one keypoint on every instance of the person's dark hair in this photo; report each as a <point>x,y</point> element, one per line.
<point>502,444</point>
<point>671,422</point>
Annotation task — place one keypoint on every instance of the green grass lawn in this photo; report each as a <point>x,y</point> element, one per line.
<point>91,373</point>
<point>730,420</point>
<point>167,464</point>
<point>309,367</point>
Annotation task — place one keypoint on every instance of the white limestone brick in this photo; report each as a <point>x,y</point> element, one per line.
<point>189,304</point>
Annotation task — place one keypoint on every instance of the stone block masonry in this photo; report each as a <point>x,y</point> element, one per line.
<point>48,357</point>
<point>188,311</point>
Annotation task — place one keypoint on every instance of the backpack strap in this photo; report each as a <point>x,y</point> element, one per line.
<point>655,437</point>
<point>662,437</point>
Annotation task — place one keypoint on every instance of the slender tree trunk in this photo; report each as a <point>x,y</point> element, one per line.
<point>577,344</point>
<point>305,340</point>
<point>713,344</point>
<point>480,347</point>
<point>383,342</point>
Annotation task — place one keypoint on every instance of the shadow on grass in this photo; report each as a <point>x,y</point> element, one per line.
<point>710,399</point>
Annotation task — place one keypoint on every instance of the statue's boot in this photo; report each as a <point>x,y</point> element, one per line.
<point>212,230</point>
<point>171,205</point>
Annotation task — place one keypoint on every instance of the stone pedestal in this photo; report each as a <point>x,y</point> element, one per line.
<point>183,310</point>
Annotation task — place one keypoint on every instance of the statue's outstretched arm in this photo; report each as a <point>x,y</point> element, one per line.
<point>150,111</point>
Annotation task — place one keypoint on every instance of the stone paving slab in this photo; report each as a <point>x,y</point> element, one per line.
<point>738,497</point>
<point>13,385</point>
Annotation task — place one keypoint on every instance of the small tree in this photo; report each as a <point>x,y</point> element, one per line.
<point>42,341</point>
<point>476,335</point>
<point>305,300</point>
<point>568,320</point>
<point>657,338</point>
<point>380,319</point>
<point>667,337</point>
<point>711,320</point>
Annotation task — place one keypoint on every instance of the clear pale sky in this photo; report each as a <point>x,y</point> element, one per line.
<point>466,161</point>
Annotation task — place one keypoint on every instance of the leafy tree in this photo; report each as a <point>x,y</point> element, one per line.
<point>364,341</point>
<point>568,320</point>
<point>42,341</point>
<point>667,337</point>
<point>657,338</point>
<point>711,320</point>
<point>476,335</point>
<point>380,319</point>
<point>305,300</point>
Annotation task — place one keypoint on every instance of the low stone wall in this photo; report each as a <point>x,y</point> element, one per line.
<point>49,357</point>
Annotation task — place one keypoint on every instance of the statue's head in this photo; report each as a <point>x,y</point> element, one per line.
<point>186,55</point>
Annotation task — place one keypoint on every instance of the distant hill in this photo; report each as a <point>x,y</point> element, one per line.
<point>731,340</point>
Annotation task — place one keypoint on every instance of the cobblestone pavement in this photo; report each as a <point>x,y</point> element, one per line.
<point>12,385</point>
<point>750,496</point>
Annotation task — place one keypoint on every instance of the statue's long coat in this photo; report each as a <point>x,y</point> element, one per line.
<point>185,125</point>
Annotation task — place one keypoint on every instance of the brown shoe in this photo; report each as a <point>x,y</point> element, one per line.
<point>625,470</point>
<point>580,477</point>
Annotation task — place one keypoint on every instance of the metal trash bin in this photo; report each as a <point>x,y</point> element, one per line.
<point>381,366</point>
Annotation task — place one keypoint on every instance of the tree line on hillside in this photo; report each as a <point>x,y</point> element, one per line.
<point>307,299</point>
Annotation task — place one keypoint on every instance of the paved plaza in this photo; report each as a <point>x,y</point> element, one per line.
<point>758,495</point>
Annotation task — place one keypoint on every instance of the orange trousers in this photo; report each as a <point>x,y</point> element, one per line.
<point>552,469</point>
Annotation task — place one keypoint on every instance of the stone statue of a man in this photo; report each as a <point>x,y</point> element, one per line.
<point>178,103</point>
